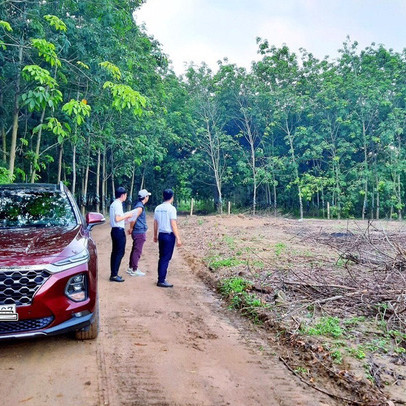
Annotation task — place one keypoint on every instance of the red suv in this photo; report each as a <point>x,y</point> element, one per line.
<point>48,263</point>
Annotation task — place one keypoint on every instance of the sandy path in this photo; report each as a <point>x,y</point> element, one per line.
<point>156,346</point>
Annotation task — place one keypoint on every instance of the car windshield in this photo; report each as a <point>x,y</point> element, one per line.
<point>35,209</point>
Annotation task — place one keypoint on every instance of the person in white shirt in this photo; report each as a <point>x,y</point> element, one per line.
<point>117,222</point>
<point>167,234</point>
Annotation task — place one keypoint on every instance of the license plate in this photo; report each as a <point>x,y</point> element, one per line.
<point>8,312</point>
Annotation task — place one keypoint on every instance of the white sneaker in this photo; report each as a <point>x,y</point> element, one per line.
<point>131,272</point>
<point>138,273</point>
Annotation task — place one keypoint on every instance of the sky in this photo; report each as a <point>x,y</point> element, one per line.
<point>210,30</point>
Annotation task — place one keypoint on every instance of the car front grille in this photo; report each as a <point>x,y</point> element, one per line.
<point>19,286</point>
<point>8,327</point>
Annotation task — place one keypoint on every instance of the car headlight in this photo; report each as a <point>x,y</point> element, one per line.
<point>75,260</point>
<point>76,288</point>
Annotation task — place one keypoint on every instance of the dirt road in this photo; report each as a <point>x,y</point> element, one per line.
<point>156,346</point>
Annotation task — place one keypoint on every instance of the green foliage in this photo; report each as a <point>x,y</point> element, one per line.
<point>4,176</point>
<point>224,262</point>
<point>112,69</point>
<point>357,352</point>
<point>55,22</point>
<point>234,285</point>
<point>327,326</point>
<point>236,291</point>
<point>289,135</point>
<point>124,97</point>
<point>337,356</point>
<point>5,25</point>
<point>46,50</point>
<point>41,97</point>
<point>61,130</point>
<point>279,248</point>
<point>301,370</point>
<point>230,241</point>
<point>79,110</point>
<point>39,75</point>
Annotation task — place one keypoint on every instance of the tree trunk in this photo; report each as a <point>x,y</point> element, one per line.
<point>37,148</point>
<point>113,187</point>
<point>98,182</point>
<point>253,162</point>
<point>323,202</point>
<point>292,151</point>
<point>60,162</point>
<point>142,179</point>
<point>275,204</point>
<point>85,183</point>
<point>3,132</point>
<point>214,153</point>
<point>4,143</point>
<point>131,193</point>
<point>399,198</point>
<point>364,205</point>
<point>14,132</point>
<point>73,168</point>
<point>104,183</point>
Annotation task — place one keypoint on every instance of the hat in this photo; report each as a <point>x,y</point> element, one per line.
<point>143,193</point>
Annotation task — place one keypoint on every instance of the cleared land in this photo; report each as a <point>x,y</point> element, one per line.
<point>332,294</point>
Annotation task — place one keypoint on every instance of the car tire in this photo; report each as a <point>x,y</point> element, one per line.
<point>91,332</point>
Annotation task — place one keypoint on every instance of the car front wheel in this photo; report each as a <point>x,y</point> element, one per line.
<point>90,332</point>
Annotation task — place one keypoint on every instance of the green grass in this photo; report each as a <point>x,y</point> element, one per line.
<point>337,356</point>
<point>354,321</point>
<point>326,326</point>
<point>279,248</point>
<point>224,262</point>
<point>358,352</point>
<point>234,285</point>
<point>230,241</point>
<point>236,290</point>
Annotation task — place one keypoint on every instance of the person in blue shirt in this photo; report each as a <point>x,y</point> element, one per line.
<point>138,229</point>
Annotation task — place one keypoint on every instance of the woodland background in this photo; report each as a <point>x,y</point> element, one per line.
<point>88,98</point>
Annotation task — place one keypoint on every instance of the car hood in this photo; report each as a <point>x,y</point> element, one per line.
<point>35,246</point>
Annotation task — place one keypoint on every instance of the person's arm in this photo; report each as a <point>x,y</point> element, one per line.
<point>155,231</point>
<point>124,216</point>
<point>130,230</point>
<point>175,230</point>
<point>132,223</point>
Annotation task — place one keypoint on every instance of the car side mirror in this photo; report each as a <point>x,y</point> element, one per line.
<point>94,219</point>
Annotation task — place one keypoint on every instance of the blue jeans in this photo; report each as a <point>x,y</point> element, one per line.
<point>118,239</point>
<point>166,247</point>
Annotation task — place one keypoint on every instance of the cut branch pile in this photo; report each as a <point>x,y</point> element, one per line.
<point>369,278</point>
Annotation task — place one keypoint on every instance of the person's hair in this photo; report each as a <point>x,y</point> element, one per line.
<point>167,194</point>
<point>120,191</point>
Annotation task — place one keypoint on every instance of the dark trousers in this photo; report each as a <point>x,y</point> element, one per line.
<point>166,247</point>
<point>118,239</point>
<point>138,243</point>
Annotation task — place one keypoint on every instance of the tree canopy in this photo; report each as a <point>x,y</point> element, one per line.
<point>88,98</point>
